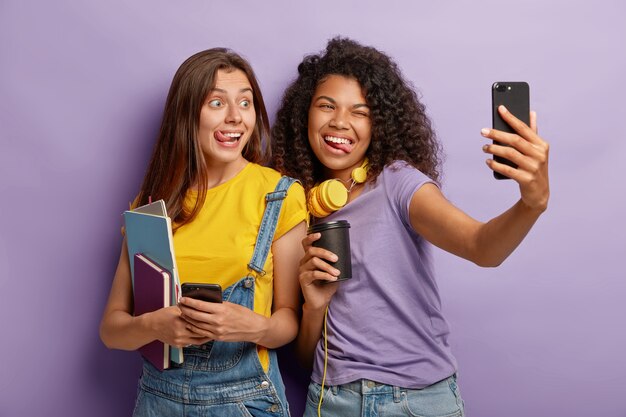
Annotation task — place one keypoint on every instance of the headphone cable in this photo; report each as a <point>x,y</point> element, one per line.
<point>319,405</point>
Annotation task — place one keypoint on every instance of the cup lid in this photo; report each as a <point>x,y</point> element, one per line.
<point>320,227</point>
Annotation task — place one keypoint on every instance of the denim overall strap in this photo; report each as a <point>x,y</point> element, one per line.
<point>265,236</point>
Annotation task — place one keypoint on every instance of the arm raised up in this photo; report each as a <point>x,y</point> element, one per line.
<point>490,243</point>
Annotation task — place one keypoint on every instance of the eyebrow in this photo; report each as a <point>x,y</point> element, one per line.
<point>243,90</point>
<point>332,100</point>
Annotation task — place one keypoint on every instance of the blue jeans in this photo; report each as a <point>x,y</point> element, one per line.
<point>366,398</point>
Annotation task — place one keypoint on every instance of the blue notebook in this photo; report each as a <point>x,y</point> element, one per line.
<point>149,231</point>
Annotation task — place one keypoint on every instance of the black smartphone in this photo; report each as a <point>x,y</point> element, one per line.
<point>515,96</point>
<point>205,292</point>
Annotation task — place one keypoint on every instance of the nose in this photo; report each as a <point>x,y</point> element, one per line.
<point>339,120</point>
<point>233,115</point>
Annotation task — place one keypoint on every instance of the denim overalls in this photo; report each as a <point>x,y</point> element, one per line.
<point>223,379</point>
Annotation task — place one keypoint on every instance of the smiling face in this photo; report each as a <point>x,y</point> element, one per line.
<point>339,125</point>
<point>227,119</point>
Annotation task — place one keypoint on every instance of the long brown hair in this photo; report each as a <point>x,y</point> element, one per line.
<point>177,161</point>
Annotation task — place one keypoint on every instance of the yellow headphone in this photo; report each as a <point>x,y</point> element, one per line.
<point>331,195</point>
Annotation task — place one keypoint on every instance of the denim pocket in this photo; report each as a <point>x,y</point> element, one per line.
<point>441,399</point>
<point>313,394</point>
<point>150,404</point>
<point>219,357</point>
<point>263,407</point>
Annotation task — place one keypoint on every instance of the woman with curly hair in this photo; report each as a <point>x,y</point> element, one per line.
<point>379,341</point>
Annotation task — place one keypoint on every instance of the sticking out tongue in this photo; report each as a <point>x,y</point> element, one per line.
<point>340,145</point>
<point>226,139</point>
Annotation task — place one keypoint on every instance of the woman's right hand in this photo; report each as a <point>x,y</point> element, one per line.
<point>169,327</point>
<point>317,277</point>
<point>120,329</point>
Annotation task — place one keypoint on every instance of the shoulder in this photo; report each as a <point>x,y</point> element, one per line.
<point>263,174</point>
<point>269,177</point>
<point>399,177</point>
<point>400,181</point>
<point>399,170</point>
<point>293,208</point>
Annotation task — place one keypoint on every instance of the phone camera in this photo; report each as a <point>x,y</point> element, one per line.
<point>501,87</point>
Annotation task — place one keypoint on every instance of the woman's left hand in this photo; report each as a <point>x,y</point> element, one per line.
<point>228,322</point>
<point>528,151</point>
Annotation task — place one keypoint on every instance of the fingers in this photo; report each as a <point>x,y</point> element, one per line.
<point>314,266</point>
<point>314,251</point>
<point>199,305</point>
<point>318,258</point>
<point>515,174</point>
<point>309,239</point>
<point>315,277</point>
<point>190,321</point>
<point>201,318</point>
<point>533,121</point>
<point>202,332</point>
<point>526,164</point>
<point>232,322</point>
<point>515,141</point>
<point>522,129</point>
<point>181,334</point>
<point>201,324</point>
<point>507,142</point>
<point>310,250</point>
<point>516,148</point>
<point>526,149</point>
<point>521,159</point>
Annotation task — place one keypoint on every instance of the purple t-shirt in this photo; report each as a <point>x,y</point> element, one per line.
<point>385,324</point>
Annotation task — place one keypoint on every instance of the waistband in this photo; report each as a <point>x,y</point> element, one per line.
<point>369,387</point>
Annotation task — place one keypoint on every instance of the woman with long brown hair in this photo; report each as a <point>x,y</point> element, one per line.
<point>206,166</point>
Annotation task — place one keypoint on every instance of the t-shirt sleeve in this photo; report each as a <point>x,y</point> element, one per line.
<point>402,181</point>
<point>293,210</point>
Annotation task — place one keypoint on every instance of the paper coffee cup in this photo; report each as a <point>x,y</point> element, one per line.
<point>335,237</point>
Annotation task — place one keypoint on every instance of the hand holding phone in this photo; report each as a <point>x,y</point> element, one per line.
<point>515,96</point>
<point>211,293</point>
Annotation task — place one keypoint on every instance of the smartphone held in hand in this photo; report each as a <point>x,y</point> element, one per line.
<point>515,96</point>
<point>211,293</point>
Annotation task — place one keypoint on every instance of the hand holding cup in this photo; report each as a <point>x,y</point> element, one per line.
<point>326,260</point>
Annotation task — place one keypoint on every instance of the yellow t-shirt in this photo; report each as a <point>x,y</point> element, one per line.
<point>217,245</point>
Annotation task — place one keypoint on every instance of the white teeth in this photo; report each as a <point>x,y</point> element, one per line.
<point>337,140</point>
<point>232,135</point>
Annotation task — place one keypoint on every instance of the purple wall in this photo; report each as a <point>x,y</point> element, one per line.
<point>82,87</point>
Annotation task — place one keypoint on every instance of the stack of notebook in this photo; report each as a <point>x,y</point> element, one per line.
<point>153,269</point>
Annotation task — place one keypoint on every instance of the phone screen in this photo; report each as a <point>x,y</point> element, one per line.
<point>515,96</point>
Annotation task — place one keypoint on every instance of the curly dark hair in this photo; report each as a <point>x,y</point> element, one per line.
<point>400,128</point>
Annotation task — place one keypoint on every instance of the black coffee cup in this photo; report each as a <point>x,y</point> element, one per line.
<point>335,237</point>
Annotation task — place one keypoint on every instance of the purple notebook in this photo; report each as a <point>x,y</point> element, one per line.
<point>151,292</point>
